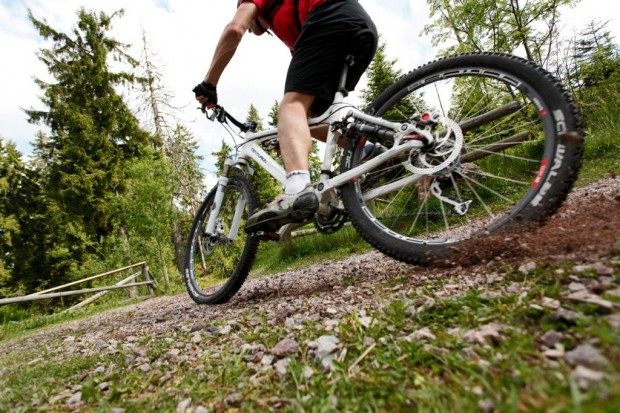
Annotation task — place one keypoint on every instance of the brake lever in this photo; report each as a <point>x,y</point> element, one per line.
<point>211,116</point>
<point>218,113</point>
<point>221,114</point>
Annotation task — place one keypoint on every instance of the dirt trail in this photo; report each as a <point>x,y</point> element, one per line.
<point>586,230</point>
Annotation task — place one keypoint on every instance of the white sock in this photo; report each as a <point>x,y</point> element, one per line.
<point>296,181</point>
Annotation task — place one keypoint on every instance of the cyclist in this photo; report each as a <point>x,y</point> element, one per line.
<point>319,35</point>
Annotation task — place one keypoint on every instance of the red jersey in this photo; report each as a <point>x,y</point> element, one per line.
<point>284,23</point>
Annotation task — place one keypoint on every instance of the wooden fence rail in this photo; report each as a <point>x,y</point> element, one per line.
<point>149,281</point>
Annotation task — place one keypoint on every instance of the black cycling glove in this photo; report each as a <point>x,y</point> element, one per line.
<point>207,90</point>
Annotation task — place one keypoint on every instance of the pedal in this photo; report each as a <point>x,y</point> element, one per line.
<point>266,236</point>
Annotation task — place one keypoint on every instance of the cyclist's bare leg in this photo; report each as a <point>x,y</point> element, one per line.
<point>299,203</point>
<point>293,130</point>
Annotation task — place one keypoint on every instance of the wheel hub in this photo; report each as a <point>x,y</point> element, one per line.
<point>443,156</point>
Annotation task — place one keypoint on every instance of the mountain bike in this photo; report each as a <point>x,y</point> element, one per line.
<point>476,144</point>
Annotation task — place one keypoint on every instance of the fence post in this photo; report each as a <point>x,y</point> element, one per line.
<point>147,277</point>
<point>133,292</point>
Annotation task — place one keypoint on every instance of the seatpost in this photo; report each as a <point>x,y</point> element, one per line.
<point>332,138</point>
<point>349,61</point>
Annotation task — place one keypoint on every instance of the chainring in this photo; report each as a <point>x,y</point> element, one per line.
<point>331,224</point>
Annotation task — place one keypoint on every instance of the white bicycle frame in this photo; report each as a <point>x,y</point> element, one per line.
<point>252,149</point>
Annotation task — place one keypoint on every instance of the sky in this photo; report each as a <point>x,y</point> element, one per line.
<point>183,35</point>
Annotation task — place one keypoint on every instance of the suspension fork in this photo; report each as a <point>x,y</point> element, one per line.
<point>217,203</point>
<point>218,199</point>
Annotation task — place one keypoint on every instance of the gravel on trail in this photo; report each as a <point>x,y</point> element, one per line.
<point>585,230</point>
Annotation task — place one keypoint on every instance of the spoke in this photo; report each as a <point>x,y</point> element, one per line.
<point>505,155</point>
<point>490,116</point>
<point>440,101</point>
<point>499,146</point>
<point>494,192</point>
<point>443,214</point>
<point>484,205</point>
<point>388,207</point>
<point>502,122</point>
<point>488,175</point>
<point>456,187</point>
<point>474,106</point>
<point>423,205</point>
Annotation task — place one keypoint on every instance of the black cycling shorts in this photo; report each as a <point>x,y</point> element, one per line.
<point>320,51</point>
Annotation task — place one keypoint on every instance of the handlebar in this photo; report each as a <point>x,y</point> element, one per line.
<point>219,114</point>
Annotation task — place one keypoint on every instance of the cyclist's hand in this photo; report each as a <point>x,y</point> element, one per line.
<point>206,94</point>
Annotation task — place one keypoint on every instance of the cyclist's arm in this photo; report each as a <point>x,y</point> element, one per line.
<point>229,41</point>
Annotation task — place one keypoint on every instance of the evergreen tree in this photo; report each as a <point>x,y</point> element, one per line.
<point>10,183</point>
<point>93,138</point>
<point>273,115</point>
<point>221,155</point>
<point>187,183</point>
<point>23,225</point>
<point>596,55</point>
<point>381,73</point>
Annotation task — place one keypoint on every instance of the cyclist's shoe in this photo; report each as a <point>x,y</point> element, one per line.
<point>284,210</point>
<point>376,150</point>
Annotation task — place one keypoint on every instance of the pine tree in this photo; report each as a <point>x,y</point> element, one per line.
<point>273,115</point>
<point>381,73</point>
<point>23,225</point>
<point>93,138</point>
<point>597,57</point>
<point>10,184</point>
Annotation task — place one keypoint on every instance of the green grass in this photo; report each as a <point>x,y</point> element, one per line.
<point>311,249</point>
<point>602,144</point>
<point>428,375</point>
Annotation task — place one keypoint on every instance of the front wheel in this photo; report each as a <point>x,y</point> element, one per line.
<point>217,264</point>
<point>509,143</point>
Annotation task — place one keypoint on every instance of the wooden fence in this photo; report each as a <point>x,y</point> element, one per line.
<point>149,282</point>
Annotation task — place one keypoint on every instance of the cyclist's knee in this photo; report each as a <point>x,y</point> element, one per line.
<point>295,99</point>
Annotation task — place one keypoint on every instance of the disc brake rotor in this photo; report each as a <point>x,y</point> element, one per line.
<point>444,155</point>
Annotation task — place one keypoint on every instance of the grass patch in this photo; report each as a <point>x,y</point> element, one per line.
<point>382,365</point>
<point>602,147</point>
<point>307,250</point>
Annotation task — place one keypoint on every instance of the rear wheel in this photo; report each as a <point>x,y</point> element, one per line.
<point>216,265</point>
<point>509,147</point>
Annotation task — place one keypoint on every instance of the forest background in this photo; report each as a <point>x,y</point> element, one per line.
<point>114,176</point>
